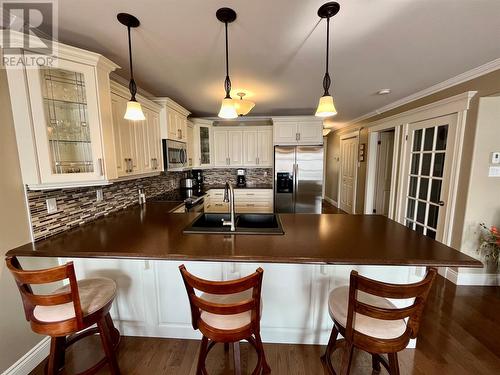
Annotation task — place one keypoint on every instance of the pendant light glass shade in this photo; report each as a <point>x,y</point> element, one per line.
<point>134,111</point>
<point>243,106</point>
<point>326,107</point>
<point>228,109</point>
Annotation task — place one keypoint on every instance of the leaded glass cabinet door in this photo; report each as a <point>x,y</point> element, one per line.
<point>204,140</point>
<point>427,175</point>
<point>66,122</point>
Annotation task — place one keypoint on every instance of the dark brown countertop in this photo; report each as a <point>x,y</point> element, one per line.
<point>152,232</point>
<point>248,186</point>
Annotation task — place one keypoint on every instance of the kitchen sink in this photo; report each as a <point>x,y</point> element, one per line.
<point>244,224</point>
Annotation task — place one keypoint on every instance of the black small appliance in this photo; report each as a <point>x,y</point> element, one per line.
<point>240,178</point>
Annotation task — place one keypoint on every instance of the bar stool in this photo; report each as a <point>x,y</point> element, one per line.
<point>227,312</point>
<point>365,317</point>
<point>67,313</point>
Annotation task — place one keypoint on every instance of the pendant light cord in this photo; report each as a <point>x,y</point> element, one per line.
<point>131,86</point>
<point>326,79</point>
<point>227,81</point>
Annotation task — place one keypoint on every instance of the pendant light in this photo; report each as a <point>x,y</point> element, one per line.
<point>326,107</point>
<point>134,109</point>
<point>243,106</point>
<point>227,108</point>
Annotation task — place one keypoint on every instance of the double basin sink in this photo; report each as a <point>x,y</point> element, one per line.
<point>244,224</point>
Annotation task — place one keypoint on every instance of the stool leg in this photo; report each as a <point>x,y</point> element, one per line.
<point>393,364</point>
<point>327,357</point>
<point>260,348</point>
<point>200,369</point>
<point>56,359</point>
<point>375,363</point>
<point>115,334</point>
<point>237,358</point>
<point>347,359</point>
<point>107,344</point>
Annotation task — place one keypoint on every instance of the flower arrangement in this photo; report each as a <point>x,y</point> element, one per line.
<point>490,244</point>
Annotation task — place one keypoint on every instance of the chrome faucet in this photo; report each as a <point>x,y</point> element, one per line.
<point>229,197</point>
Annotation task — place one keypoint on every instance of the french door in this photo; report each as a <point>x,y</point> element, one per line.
<point>426,178</point>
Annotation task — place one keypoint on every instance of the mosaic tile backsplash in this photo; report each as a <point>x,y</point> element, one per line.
<point>254,176</point>
<point>78,206</point>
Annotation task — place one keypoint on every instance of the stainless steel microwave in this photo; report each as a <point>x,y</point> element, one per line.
<point>174,155</point>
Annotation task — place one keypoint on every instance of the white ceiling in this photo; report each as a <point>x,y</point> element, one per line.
<point>277,48</point>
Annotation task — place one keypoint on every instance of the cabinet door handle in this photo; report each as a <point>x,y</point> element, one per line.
<point>229,163</point>
<point>296,136</point>
<point>101,167</point>
<point>258,160</point>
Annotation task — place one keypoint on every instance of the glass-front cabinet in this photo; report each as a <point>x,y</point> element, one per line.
<point>202,143</point>
<point>67,126</point>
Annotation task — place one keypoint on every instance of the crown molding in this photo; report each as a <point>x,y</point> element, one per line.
<point>461,78</point>
<point>165,101</point>
<point>123,91</point>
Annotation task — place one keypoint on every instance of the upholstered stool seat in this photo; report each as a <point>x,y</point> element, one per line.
<point>227,322</point>
<point>95,293</point>
<point>338,303</point>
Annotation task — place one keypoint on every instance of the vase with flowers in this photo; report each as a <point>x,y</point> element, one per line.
<point>489,247</point>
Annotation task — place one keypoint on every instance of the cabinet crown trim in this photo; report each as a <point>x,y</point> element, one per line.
<point>165,101</point>
<point>120,90</point>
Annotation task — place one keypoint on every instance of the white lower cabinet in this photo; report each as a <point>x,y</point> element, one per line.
<point>245,201</point>
<point>152,300</point>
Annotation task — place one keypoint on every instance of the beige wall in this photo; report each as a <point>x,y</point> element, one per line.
<point>478,142</point>
<point>16,337</point>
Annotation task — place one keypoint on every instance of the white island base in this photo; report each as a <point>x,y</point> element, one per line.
<point>152,300</point>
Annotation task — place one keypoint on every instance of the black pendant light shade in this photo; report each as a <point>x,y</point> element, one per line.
<point>227,109</point>
<point>134,110</point>
<point>326,106</point>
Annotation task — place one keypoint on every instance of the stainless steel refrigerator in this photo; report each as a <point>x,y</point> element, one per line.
<point>298,179</point>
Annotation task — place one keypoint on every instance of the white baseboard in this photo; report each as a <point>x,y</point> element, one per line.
<point>466,278</point>
<point>331,201</point>
<point>30,360</point>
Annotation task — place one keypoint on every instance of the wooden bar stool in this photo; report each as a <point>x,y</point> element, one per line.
<point>67,314</point>
<point>227,312</point>
<point>365,317</point>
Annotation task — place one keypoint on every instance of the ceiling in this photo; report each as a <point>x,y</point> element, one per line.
<point>277,48</point>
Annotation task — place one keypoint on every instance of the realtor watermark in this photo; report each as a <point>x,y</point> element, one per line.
<point>29,31</point>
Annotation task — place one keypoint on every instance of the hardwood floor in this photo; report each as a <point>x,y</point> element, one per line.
<point>328,208</point>
<point>460,334</point>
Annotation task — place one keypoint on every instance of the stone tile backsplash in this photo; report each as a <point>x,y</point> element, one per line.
<point>254,176</point>
<point>78,206</point>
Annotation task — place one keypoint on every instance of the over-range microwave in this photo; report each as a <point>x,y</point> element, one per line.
<point>174,155</point>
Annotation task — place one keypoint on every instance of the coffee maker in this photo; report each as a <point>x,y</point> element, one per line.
<point>240,178</point>
<point>198,176</point>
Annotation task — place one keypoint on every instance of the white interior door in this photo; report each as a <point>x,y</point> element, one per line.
<point>384,171</point>
<point>427,171</point>
<point>348,166</point>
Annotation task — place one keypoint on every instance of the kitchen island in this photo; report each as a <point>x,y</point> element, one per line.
<point>142,247</point>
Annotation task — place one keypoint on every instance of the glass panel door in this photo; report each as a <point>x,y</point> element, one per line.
<point>430,145</point>
<point>65,102</point>
<point>204,145</point>
<point>66,121</point>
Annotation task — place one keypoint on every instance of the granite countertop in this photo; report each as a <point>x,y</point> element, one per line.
<point>254,186</point>
<point>152,232</point>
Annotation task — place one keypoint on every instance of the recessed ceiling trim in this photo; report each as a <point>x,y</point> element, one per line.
<point>461,78</point>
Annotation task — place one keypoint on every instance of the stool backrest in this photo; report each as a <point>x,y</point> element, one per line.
<point>25,278</point>
<point>413,312</point>
<point>253,281</point>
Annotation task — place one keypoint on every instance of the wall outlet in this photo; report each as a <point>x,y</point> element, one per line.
<point>495,158</point>
<point>51,205</point>
<point>99,195</point>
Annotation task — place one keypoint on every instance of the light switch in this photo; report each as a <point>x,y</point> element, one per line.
<point>51,205</point>
<point>495,158</point>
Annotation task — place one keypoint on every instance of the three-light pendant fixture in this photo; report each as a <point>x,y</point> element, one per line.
<point>134,109</point>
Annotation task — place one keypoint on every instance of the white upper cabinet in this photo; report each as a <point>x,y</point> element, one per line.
<point>297,131</point>
<point>202,143</point>
<point>63,120</point>
<point>137,144</point>
<point>235,147</point>
<point>221,155</point>
<point>258,146</point>
<point>173,120</point>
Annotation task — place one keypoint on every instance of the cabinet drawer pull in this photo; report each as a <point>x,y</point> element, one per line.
<point>250,204</point>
